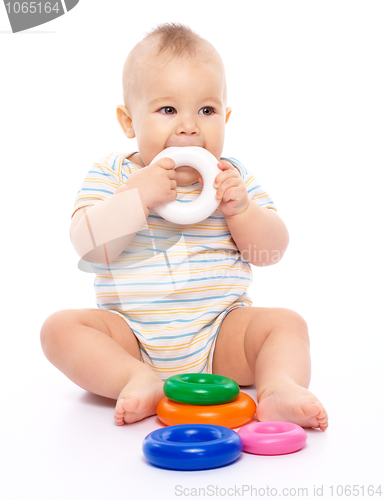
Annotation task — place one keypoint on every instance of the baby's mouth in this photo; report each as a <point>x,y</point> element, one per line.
<point>186,175</point>
<point>184,169</point>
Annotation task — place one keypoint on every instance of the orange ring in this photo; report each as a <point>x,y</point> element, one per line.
<point>234,414</point>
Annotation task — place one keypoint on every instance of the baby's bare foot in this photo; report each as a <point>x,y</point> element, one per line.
<point>138,399</point>
<point>290,402</point>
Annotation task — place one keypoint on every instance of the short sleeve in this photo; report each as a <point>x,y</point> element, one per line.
<point>255,190</point>
<point>103,179</point>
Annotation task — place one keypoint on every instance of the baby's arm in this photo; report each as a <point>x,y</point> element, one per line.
<point>102,231</point>
<point>259,233</point>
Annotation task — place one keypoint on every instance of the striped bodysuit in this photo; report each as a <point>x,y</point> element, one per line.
<point>173,284</point>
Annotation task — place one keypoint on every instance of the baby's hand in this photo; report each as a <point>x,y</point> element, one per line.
<point>231,190</point>
<point>156,183</point>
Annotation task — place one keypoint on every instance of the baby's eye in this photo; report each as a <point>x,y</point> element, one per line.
<point>208,110</point>
<point>167,110</point>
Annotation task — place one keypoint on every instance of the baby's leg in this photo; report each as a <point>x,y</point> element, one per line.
<point>98,351</point>
<point>270,347</point>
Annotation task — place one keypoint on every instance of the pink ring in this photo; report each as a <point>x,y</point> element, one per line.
<point>272,438</point>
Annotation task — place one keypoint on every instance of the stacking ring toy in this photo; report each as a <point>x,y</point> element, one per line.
<point>201,208</point>
<point>272,438</point>
<point>234,414</point>
<point>192,447</point>
<point>201,389</point>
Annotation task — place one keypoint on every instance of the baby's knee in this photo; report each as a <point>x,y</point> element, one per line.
<point>53,330</point>
<point>295,321</point>
<point>295,317</point>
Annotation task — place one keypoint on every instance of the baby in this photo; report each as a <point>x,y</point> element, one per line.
<point>171,298</point>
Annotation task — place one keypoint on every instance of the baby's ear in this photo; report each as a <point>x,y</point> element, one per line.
<point>228,112</point>
<point>125,121</point>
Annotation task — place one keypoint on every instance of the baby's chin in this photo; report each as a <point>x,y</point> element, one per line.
<point>186,175</point>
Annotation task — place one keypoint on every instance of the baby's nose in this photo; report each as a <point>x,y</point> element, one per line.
<point>187,125</point>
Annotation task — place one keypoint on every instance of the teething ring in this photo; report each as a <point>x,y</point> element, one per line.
<point>272,438</point>
<point>201,208</point>
<point>201,389</point>
<point>234,414</point>
<point>192,447</point>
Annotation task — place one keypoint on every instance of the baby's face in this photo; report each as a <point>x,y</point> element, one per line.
<point>180,103</point>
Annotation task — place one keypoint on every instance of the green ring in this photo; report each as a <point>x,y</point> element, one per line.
<point>201,389</point>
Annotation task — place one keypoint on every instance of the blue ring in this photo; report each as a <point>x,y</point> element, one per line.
<point>192,447</point>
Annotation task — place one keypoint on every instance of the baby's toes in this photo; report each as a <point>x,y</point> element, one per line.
<point>126,411</point>
<point>322,420</point>
<point>316,415</point>
<point>119,412</point>
<point>119,421</point>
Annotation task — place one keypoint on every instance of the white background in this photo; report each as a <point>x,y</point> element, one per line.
<point>305,81</point>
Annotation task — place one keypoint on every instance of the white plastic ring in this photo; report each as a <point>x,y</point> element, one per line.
<point>201,208</point>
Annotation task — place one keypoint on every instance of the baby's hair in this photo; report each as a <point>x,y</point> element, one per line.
<point>176,38</point>
<point>171,39</point>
